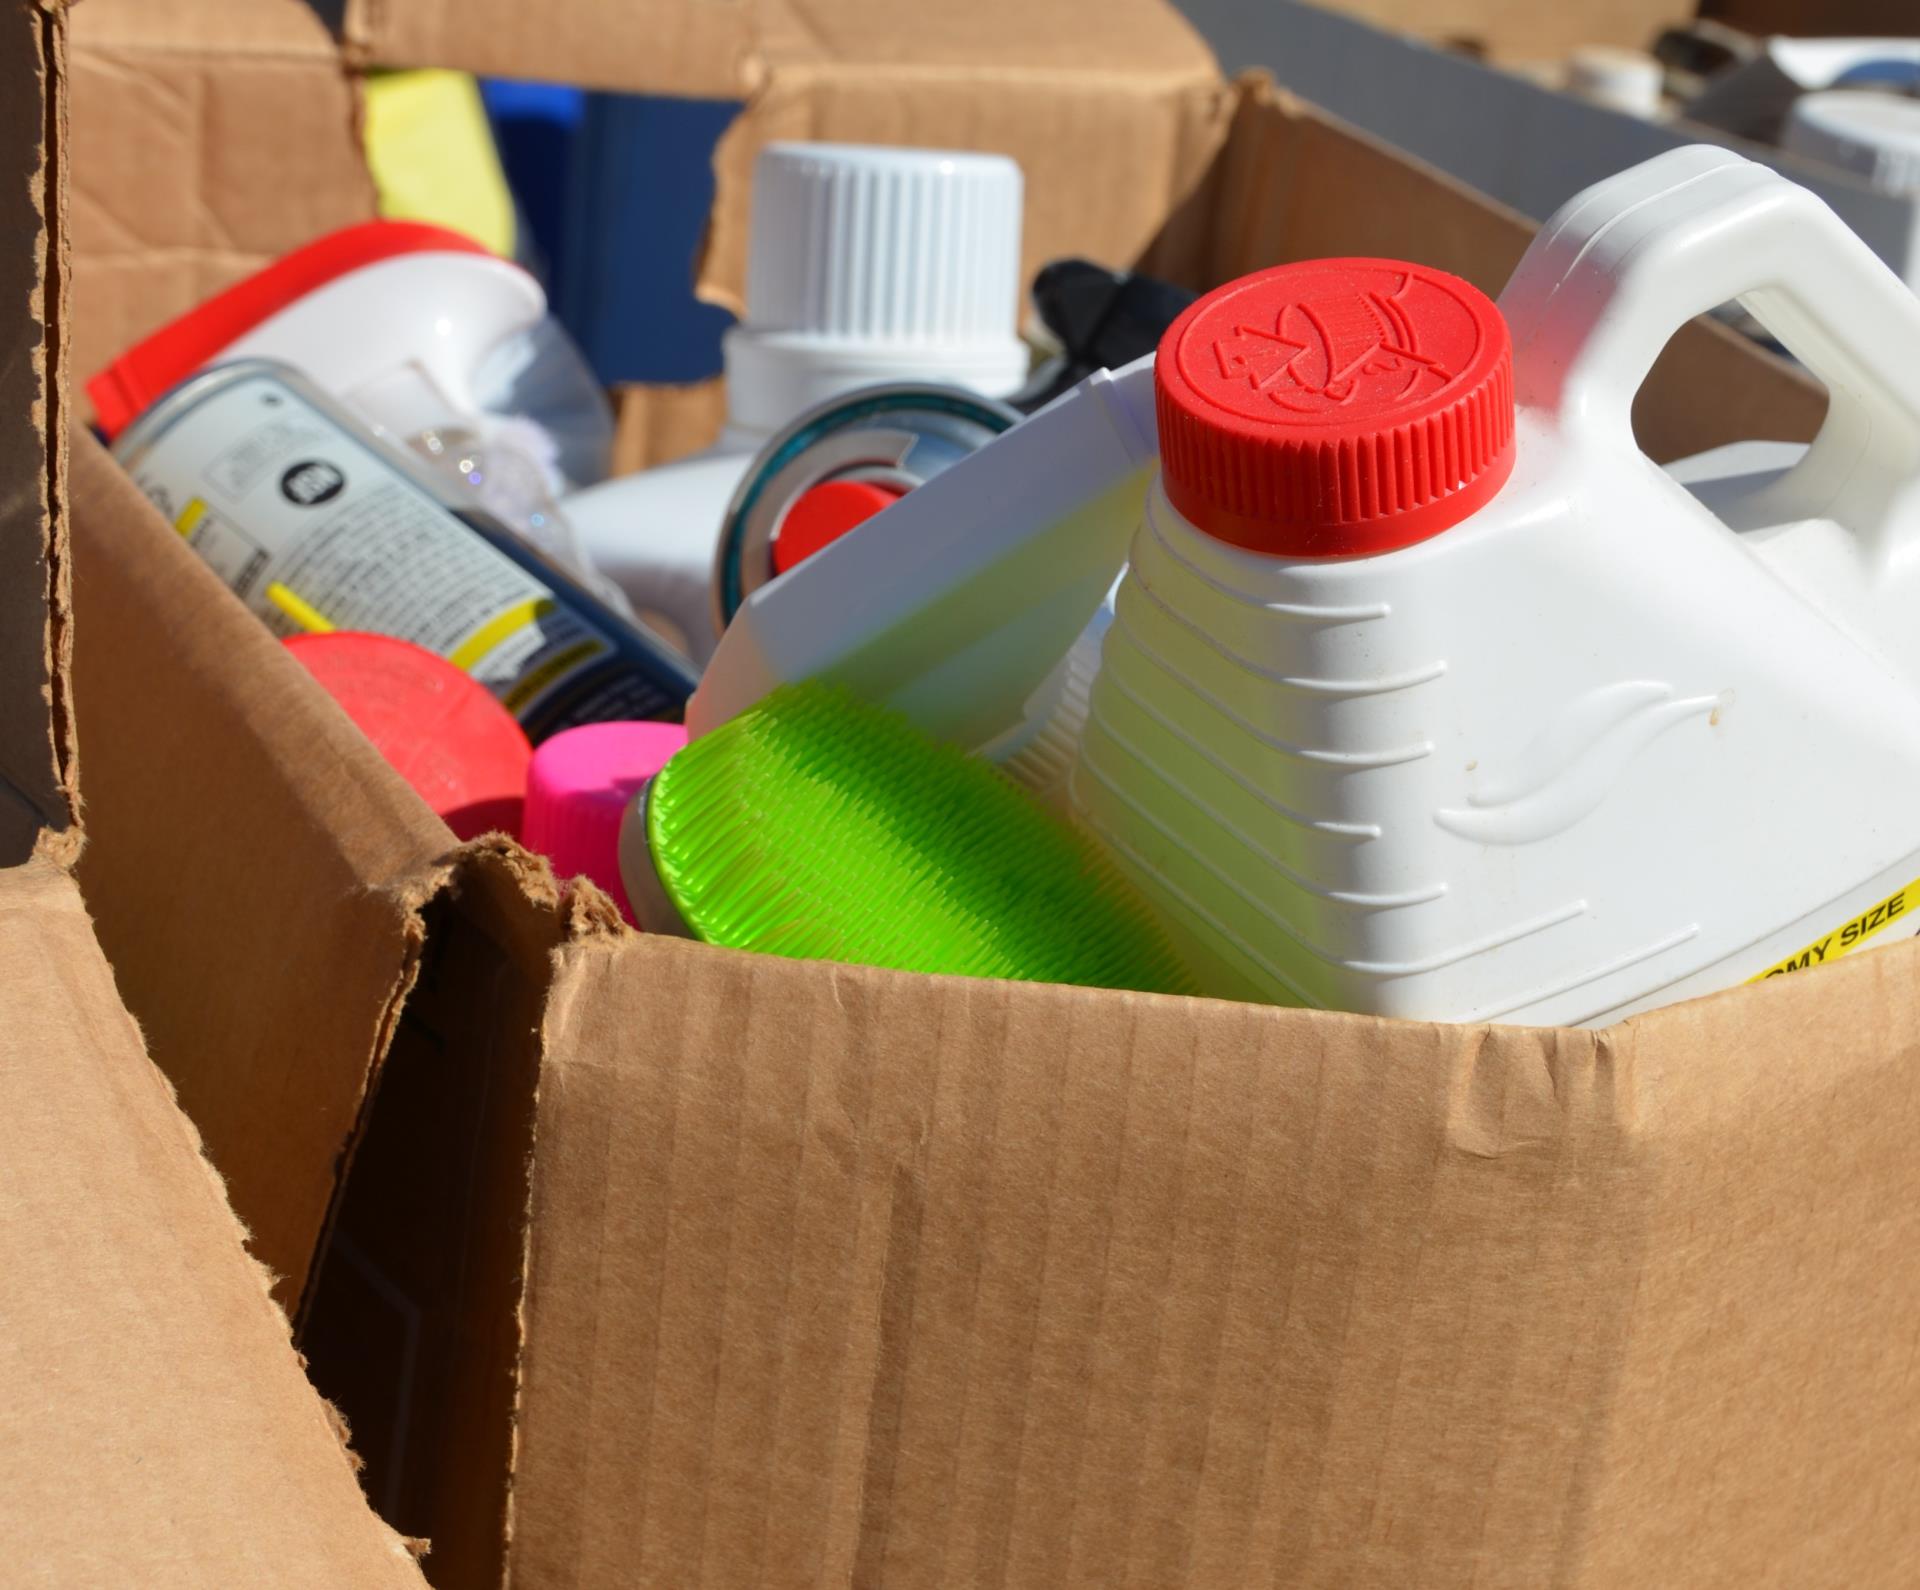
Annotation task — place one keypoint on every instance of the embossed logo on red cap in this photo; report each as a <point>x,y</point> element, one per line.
<point>1332,406</point>
<point>1365,342</point>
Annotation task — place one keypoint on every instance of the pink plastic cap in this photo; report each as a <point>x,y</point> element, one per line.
<point>578,788</point>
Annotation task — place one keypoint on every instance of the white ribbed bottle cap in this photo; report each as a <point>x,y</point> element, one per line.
<point>869,264</point>
<point>1876,136</point>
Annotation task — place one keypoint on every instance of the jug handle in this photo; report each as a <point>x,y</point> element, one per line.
<point>1627,263</point>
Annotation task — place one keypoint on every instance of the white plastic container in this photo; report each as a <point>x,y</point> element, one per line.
<point>866,266</point>
<point>1384,728</point>
<point>1563,738</point>
<point>442,346</point>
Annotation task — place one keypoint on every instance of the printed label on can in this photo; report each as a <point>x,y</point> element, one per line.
<point>308,525</point>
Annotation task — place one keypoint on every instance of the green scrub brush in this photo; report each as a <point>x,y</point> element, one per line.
<point>814,825</point>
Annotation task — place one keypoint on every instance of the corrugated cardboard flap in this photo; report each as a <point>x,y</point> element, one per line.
<point>312,956</point>
<point>196,27</point>
<point>39,801</point>
<point>839,1276</point>
<point>212,136</point>
<point>725,49</point>
<point>244,825</point>
<point>159,1430</point>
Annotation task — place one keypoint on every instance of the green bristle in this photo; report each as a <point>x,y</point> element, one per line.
<point>817,826</point>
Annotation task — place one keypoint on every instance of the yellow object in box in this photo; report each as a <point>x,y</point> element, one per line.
<point>431,152</point>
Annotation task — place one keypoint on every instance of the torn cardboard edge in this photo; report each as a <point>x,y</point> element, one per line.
<point>413,1324</point>
<point>39,774</point>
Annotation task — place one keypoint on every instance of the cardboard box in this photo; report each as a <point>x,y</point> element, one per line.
<point>159,1431</point>
<point>658,1264</point>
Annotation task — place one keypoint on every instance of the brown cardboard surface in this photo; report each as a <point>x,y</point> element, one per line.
<point>730,49</point>
<point>1106,155</point>
<point>257,872</point>
<point>654,424</point>
<point>839,1276</point>
<point>1863,19</point>
<point>158,1429</point>
<point>210,136</point>
<point>668,45</point>
<point>1765,1427</point>
<point>38,795</point>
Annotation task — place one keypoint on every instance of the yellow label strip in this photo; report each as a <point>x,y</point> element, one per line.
<point>1850,935</point>
<point>548,671</point>
<point>190,516</point>
<point>297,608</point>
<point>507,622</point>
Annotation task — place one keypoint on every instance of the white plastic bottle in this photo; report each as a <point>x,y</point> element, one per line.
<point>1428,694</point>
<point>443,347</point>
<point>866,265</point>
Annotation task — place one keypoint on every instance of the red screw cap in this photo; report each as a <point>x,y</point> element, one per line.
<point>822,514</point>
<point>1335,407</point>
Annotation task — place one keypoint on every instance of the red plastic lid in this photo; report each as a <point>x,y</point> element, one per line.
<point>148,370</point>
<point>822,514</point>
<point>441,729</point>
<point>1335,407</point>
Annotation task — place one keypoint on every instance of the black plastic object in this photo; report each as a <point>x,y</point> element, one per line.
<point>1103,318</point>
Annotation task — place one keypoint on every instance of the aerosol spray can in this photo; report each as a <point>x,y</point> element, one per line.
<point>316,523</point>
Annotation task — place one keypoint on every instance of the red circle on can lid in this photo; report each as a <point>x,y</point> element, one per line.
<point>439,727</point>
<point>822,514</point>
<point>1335,407</point>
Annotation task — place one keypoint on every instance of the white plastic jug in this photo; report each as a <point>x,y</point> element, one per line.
<point>866,265</point>
<point>1429,700</point>
<point>447,349</point>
